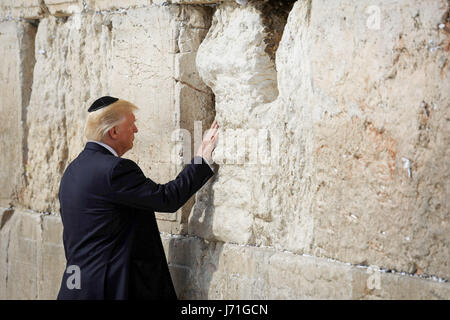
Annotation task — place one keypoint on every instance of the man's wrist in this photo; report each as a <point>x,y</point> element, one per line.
<point>200,159</point>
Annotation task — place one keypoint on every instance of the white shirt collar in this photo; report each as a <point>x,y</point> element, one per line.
<point>106,146</point>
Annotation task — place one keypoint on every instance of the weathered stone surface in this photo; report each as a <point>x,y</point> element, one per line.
<point>356,106</point>
<point>347,116</point>
<point>51,259</point>
<point>367,205</point>
<point>127,4</point>
<point>5,215</point>
<point>369,283</point>
<point>32,261</point>
<point>64,7</point>
<point>28,9</point>
<point>16,72</point>
<point>64,81</point>
<point>214,270</point>
<point>197,1</point>
<point>148,69</point>
<point>234,62</point>
<point>32,257</point>
<point>20,234</point>
<point>38,9</point>
<point>116,4</point>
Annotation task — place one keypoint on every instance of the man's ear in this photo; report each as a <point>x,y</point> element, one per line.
<point>113,133</point>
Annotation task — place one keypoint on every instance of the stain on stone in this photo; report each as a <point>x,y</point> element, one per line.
<point>7,214</point>
<point>274,16</point>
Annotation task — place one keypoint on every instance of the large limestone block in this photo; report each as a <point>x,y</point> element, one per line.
<point>38,9</point>
<point>361,120</point>
<point>196,1</point>
<point>117,4</point>
<point>5,215</point>
<point>20,234</point>
<point>65,79</point>
<point>64,7</point>
<point>154,68</point>
<point>32,259</point>
<point>368,105</point>
<point>215,270</point>
<point>150,63</point>
<point>370,283</point>
<point>51,261</point>
<point>16,70</point>
<point>236,60</point>
<point>126,4</point>
<point>28,9</point>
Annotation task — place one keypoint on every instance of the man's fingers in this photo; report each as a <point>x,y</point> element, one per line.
<point>210,133</point>
<point>214,133</point>
<point>214,138</point>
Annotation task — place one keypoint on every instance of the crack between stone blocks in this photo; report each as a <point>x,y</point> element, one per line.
<point>38,253</point>
<point>17,19</point>
<point>26,96</point>
<point>7,214</point>
<point>189,85</point>
<point>119,10</point>
<point>380,269</point>
<point>182,237</point>
<point>7,260</point>
<point>44,8</point>
<point>85,9</point>
<point>31,211</point>
<point>38,241</point>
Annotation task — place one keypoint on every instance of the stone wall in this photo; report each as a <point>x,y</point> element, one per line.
<point>332,174</point>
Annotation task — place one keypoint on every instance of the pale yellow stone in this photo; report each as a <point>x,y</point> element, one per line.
<point>360,101</point>
<point>21,235</point>
<point>5,218</point>
<point>148,70</point>
<point>28,9</point>
<point>359,110</point>
<point>233,61</point>
<point>355,98</point>
<point>117,4</point>
<point>144,69</point>
<point>51,260</point>
<point>32,259</point>
<point>16,72</point>
<point>197,1</point>
<point>64,7</point>
<point>64,80</point>
<point>213,270</point>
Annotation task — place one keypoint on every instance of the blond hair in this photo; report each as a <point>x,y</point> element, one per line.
<point>99,122</point>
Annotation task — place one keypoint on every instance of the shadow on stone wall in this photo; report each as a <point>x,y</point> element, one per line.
<point>193,261</point>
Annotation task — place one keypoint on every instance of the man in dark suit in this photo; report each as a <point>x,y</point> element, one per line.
<point>111,239</point>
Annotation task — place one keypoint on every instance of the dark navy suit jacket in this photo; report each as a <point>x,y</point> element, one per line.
<point>110,232</point>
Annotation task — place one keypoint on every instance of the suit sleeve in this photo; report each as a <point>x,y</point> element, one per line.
<point>130,186</point>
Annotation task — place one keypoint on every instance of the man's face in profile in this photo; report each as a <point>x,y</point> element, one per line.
<point>126,131</point>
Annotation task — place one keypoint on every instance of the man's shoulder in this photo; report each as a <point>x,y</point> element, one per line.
<point>123,165</point>
<point>98,158</point>
<point>88,161</point>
